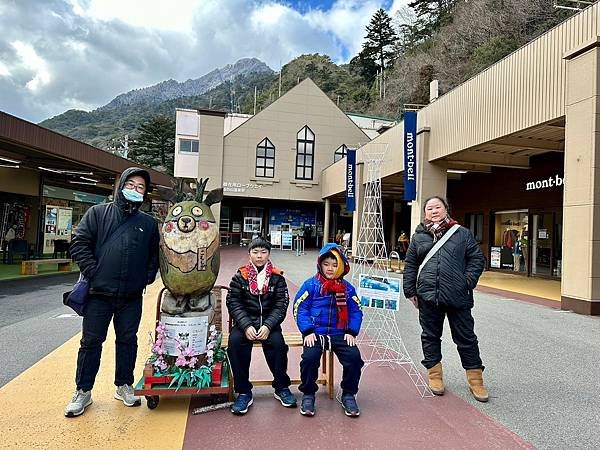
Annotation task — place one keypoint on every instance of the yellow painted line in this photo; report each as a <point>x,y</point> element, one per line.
<point>33,403</point>
<point>538,287</point>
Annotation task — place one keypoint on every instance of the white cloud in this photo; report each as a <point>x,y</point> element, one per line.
<point>4,72</point>
<point>83,53</point>
<point>32,61</point>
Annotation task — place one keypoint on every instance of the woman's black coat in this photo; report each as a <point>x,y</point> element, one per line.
<point>450,276</point>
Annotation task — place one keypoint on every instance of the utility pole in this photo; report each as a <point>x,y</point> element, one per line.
<point>255,89</point>
<point>122,151</point>
<point>280,70</point>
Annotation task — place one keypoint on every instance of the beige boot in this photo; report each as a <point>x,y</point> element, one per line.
<point>475,380</point>
<point>436,380</point>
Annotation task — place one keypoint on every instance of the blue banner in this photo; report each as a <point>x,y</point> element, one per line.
<point>350,179</point>
<point>410,156</point>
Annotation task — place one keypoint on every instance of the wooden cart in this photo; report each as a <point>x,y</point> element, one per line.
<point>153,387</point>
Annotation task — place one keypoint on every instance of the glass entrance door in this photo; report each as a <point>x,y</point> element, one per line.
<point>542,240</point>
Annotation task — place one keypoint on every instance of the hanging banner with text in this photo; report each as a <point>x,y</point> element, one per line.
<point>350,179</point>
<point>410,156</point>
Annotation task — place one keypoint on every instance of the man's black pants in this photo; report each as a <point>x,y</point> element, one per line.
<point>239,351</point>
<point>126,315</point>
<point>349,358</point>
<point>461,322</point>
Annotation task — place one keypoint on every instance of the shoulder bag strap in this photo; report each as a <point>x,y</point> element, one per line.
<point>437,246</point>
<point>115,234</point>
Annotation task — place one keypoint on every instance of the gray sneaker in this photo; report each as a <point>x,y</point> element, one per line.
<point>125,394</point>
<point>81,400</point>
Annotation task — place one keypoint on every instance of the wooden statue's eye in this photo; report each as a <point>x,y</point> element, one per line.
<point>196,211</point>
<point>177,210</point>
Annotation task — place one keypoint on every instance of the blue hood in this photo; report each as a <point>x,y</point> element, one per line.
<point>338,252</point>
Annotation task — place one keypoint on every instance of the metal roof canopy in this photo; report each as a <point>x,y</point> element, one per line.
<point>512,151</point>
<point>34,147</point>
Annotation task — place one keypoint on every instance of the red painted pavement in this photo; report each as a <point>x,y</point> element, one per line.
<point>393,415</point>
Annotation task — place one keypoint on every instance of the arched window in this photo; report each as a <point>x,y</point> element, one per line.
<point>265,159</point>
<point>340,153</point>
<point>305,151</point>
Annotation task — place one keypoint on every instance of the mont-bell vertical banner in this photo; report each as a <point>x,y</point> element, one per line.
<point>350,179</point>
<point>410,156</point>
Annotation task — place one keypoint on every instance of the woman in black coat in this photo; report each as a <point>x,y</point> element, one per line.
<point>444,287</point>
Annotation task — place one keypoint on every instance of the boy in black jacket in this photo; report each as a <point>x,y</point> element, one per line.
<point>257,302</point>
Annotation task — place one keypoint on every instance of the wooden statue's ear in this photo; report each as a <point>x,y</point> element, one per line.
<point>214,196</point>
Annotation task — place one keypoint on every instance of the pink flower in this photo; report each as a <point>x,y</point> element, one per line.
<point>180,361</point>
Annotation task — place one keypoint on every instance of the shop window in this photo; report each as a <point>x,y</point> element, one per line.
<point>510,248</point>
<point>188,146</point>
<point>474,223</point>
<point>252,225</point>
<point>305,150</point>
<point>340,153</point>
<point>265,159</point>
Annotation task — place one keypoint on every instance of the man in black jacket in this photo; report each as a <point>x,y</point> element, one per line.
<point>116,248</point>
<point>257,302</point>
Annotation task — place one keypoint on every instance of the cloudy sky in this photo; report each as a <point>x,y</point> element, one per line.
<point>62,54</point>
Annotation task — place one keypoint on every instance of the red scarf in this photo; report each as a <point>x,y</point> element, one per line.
<point>253,281</point>
<point>438,229</point>
<point>338,288</point>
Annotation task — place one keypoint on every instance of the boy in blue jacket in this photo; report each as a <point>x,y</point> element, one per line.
<point>327,311</point>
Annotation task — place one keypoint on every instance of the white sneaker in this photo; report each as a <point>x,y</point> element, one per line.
<point>125,394</point>
<point>81,400</point>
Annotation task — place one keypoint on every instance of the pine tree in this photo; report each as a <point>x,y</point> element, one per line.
<point>380,40</point>
<point>155,144</point>
<point>431,16</point>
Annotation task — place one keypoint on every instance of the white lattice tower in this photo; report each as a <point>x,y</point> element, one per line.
<point>380,335</point>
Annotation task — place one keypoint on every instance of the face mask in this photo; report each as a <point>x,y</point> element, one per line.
<point>132,195</point>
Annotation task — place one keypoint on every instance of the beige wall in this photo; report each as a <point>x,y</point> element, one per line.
<point>304,105</point>
<point>580,289</point>
<point>210,160</point>
<point>186,164</point>
<point>20,181</point>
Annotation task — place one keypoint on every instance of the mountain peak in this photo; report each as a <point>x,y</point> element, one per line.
<point>171,89</point>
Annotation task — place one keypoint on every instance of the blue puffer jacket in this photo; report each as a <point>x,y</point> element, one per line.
<point>317,313</point>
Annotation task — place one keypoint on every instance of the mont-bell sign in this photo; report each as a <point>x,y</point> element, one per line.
<point>351,180</point>
<point>410,156</point>
<point>550,182</point>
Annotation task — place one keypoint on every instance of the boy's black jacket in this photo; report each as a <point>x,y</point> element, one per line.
<point>247,309</point>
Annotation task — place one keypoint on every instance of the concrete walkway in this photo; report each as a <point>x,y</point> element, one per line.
<point>540,366</point>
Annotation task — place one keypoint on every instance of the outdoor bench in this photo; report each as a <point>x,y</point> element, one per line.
<point>294,339</point>
<point>30,267</point>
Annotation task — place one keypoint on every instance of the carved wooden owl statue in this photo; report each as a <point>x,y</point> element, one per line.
<point>189,244</point>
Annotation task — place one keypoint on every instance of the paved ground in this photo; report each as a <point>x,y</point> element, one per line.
<point>541,371</point>
<point>33,319</point>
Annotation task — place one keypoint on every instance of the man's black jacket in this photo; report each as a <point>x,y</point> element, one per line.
<point>130,262</point>
<point>450,276</point>
<point>247,309</point>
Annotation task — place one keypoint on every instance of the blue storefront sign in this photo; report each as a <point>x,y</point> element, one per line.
<point>410,156</point>
<point>296,217</point>
<point>350,179</point>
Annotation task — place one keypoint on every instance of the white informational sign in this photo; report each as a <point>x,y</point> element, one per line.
<point>495,257</point>
<point>286,239</point>
<point>192,332</point>
<point>379,292</point>
<point>542,233</point>
<point>276,238</point>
